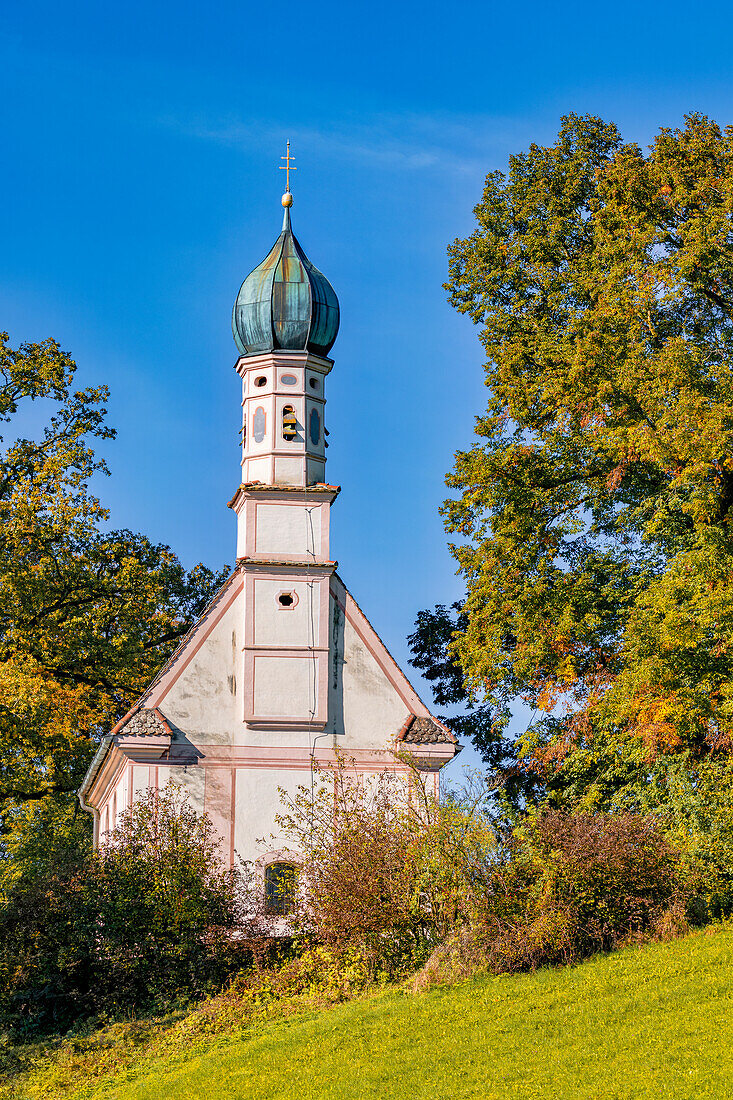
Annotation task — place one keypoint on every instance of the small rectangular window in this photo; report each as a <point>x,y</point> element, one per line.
<point>280,882</point>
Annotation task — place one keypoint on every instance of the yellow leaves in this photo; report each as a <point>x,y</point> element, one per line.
<point>600,515</point>
<point>656,721</point>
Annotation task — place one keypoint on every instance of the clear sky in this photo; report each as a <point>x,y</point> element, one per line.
<point>140,186</point>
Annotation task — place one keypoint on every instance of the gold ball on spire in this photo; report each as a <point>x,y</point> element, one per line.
<point>287,199</point>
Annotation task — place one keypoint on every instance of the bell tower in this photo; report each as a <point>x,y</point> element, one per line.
<point>285,320</point>
<point>282,666</point>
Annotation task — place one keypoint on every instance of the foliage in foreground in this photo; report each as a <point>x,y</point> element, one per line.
<point>139,926</point>
<point>87,615</point>
<point>393,874</point>
<point>592,517</point>
<point>277,983</point>
<point>389,880</point>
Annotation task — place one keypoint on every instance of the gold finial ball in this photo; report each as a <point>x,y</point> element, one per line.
<point>287,199</point>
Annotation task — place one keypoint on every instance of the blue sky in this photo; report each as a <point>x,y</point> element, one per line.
<point>140,186</point>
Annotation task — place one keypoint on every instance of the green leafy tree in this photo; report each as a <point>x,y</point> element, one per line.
<point>592,522</point>
<point>482,723</point>
<point>87,615</point>
<point>141,924</point>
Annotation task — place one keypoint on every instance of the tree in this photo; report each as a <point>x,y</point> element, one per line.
<point>483,724</point>
<point>593,518</point>
<point>147,920</point>
<point>87,615</point>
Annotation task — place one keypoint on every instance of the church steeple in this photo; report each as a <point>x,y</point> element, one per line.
<point>285,321</point>
<point>283,666</point>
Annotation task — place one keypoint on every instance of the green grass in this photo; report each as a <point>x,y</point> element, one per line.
<point>650,1022</point>
<point>655,1021</point>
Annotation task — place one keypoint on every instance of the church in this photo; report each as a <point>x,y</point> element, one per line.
<point>283,669</point>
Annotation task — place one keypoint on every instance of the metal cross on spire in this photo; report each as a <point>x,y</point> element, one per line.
<point>287,168</point>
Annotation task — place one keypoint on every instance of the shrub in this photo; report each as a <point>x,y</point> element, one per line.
<point>386,871</point>
<point>696,801</point>
<point>358,883</point>
<point>614,875</point>
<point>146,921</point>
<point>567,886</point>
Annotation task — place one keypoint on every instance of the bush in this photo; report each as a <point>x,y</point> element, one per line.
<point>389,872</point>
<point>386,871</point>
<point>357,879</point>
<point>565,887</point>
<point>581,883</point>
<point>146,921</point>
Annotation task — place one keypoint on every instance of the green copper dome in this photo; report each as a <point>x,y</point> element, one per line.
<point>286,304</point>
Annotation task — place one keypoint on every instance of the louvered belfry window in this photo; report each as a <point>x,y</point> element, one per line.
<point>290,423</point>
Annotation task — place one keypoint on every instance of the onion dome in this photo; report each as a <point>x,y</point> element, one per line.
<point>285,304</point>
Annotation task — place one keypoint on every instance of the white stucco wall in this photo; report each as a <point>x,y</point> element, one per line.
<point>285,687</point>
<point>363,703</point>
<point>297,625</point>
<point>205,701</point>
<point>258,802</point>
<point>287,529</point>
<point>191,779</point>
<point>140,780</point>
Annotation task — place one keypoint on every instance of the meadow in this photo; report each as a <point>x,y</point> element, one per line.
<point>650,1021</point>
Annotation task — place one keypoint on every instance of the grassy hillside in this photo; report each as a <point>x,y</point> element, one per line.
<point>650,1022</point>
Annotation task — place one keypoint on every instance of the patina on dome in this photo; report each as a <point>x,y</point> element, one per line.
<point>286,304</point>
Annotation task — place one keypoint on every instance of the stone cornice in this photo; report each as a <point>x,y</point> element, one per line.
<point>327,493</point>
<point>282,359</point>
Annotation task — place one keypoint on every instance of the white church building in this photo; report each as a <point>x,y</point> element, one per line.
<point>283,669</point>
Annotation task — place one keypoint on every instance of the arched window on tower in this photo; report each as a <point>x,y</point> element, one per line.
<point>280,883</point>
<point>290,423</point>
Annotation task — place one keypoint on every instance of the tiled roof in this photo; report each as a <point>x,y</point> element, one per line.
<point>425,731</point>
<point>146,722</point>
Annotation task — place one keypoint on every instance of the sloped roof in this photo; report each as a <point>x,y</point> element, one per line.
<point>187,638</point>
<point>425,731</point>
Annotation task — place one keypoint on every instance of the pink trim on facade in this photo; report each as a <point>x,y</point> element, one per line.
<point>284,756</point>
<point>245,503</point>
<point>379,651</point>
<point>218,803</point>
<point>233,794</point>
<point>159,691</point>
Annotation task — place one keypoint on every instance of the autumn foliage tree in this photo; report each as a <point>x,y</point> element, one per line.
<point>592,520</point>
<point>87,615</point>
